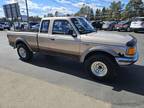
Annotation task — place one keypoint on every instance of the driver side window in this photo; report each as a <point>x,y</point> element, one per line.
<point>62,27</point>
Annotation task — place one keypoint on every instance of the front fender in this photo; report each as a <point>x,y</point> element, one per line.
<point>98,48</point>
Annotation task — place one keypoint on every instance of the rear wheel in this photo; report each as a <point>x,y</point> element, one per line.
<point>24,53</point>
<point>101,67</point>
<point>119,30</point>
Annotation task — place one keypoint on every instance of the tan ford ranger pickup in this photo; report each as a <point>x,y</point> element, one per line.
<point>100,52</point>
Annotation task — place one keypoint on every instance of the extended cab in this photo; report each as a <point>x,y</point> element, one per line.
<point>101,52</point>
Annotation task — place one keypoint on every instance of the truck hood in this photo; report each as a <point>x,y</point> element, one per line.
<point>102,37</point>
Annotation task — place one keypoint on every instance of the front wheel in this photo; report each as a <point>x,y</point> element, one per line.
<point>24,53</point>
<point>128,29</point>
<point>101,67</point>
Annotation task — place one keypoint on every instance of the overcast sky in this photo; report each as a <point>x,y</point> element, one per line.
<point>41,7</point>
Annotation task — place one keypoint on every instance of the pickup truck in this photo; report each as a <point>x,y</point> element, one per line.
<point>100,52</point>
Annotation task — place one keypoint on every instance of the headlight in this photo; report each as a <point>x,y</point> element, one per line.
<point>131,51</point>
<point>132,43</point>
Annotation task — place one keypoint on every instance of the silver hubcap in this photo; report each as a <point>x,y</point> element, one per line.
<point>99,69</point>
<point>22,52</point>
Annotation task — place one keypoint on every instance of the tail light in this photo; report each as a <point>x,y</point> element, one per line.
<point>125,26</point>
<point>117,25</point>
<point>120,25</point>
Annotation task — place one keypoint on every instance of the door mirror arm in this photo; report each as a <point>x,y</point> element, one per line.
<point>74,35</point>
<point>72,32</point>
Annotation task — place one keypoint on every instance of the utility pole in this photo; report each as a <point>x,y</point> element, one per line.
<point>27,12</point>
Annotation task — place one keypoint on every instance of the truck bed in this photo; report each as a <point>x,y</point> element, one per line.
<point>29,37</point>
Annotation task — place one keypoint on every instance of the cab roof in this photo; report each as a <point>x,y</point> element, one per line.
<point>56,18</point>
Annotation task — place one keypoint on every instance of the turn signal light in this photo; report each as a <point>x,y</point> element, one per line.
<point>131,51</point>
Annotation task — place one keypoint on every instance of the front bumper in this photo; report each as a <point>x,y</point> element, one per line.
<point>127,60</point>
<point>137,29</point>
<point>121,28</point>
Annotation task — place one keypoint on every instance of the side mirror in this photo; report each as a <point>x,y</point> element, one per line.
<point>74,35</point>
<point>81,29</point>
<point>72,32</point>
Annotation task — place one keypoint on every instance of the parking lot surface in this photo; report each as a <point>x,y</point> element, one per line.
<point>126,90</point>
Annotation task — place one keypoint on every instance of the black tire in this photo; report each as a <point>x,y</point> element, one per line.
<point>29,54</point>
<point>111,29</point>
<point>136,31</point>
<point>109,62</point>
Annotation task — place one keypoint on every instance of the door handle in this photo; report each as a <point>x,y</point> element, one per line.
<point>52,39</point>
<point>87,44</point>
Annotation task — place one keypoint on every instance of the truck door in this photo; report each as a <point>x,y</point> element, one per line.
<point>64,42</point>
<point>45,40</point>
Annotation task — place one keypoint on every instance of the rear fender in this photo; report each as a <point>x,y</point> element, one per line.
<point>21,40</point>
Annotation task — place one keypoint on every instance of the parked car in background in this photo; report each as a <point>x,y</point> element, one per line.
<point>32,24</point>
<point>97,24</point>
<point>25,25</point>
<point>20,26</point>
<point>35,27</point>
<point>1,27</point>
<point>137,24</point>
<point>109,25</point>
<point>5,25</point>
<point>16,25</point>
<point>123,26</point>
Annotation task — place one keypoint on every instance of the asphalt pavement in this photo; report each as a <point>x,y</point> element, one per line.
<point>127,90</point>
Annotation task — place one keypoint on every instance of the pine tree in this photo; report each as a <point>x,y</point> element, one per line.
<point>135,8</point>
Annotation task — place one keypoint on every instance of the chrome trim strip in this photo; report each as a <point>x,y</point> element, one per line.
<point>127,60</point>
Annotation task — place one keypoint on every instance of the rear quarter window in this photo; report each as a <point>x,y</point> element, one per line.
<point>45,26</point>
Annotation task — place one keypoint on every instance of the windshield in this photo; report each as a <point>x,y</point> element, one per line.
<point>123,22</point>
<point>139,19</point>
<point>107,22</point>
<point>82,25</point>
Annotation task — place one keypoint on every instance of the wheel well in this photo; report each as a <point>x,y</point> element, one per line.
<point>19,42</point>
<point>99,53</point>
